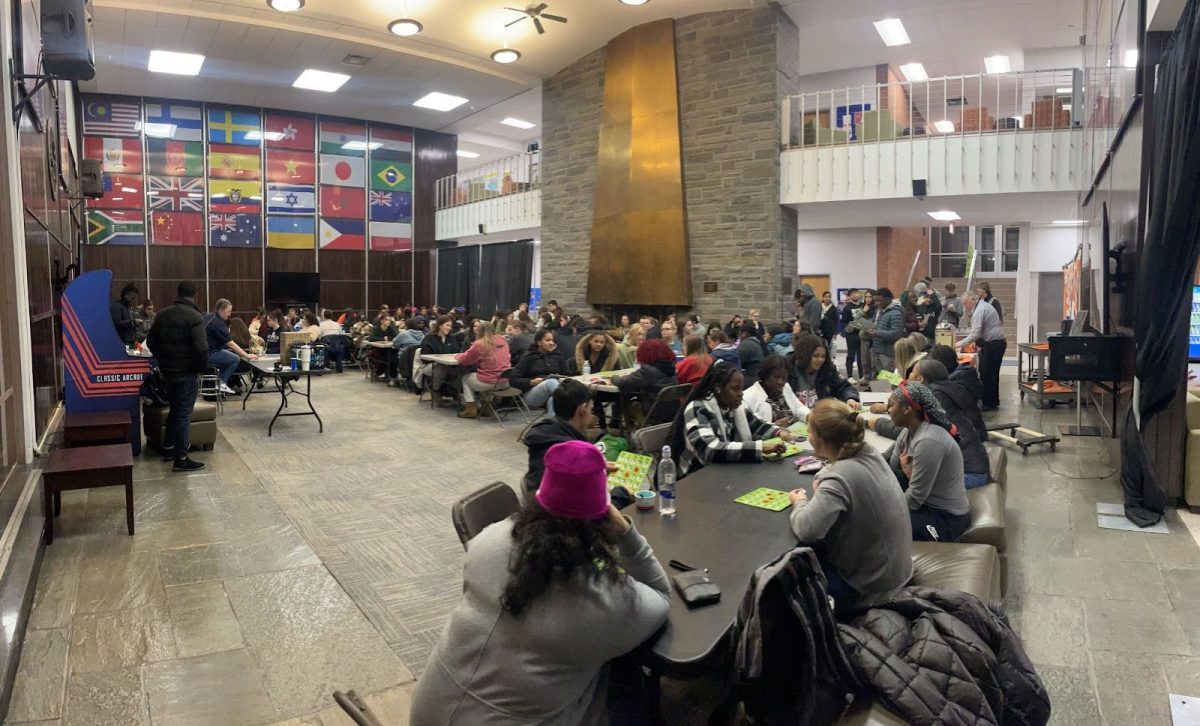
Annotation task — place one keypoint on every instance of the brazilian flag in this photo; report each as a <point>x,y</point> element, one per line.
<point>391,176</point>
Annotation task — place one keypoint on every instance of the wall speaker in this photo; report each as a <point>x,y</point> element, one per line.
<point>919,188</point>
<point>67,48</point>
<point>482,229</point>
<point>91,178</point>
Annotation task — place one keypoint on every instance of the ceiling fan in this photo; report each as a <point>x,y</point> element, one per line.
<point>537,14</point>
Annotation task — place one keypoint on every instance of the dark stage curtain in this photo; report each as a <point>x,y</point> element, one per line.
<point>1168,262</point>
<point>507,272</point>
<point>458,277</point>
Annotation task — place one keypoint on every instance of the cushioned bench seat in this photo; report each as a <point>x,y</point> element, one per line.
<point>202,432</point>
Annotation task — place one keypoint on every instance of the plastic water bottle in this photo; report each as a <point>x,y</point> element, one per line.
<point>666,484</point>
<point>587,368</point>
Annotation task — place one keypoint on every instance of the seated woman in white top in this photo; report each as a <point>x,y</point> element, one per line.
<point>550,596</point>
<point>771,398</point>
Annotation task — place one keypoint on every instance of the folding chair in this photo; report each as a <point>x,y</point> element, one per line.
<point>474,512</point>
<point>503,391</point>
<point>666,404</point>
<point>651,439</point>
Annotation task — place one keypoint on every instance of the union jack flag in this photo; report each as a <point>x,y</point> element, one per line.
<point>176,194</point>
<point>381,199</point>
<point>222,222</point>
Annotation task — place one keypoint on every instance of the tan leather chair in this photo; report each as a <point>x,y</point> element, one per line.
<point>987,516</point>
<point>1191,482</point>
<point>202,431</point>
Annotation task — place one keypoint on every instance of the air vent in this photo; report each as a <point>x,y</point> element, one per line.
<point>355,61</point>
<point>956,102</point>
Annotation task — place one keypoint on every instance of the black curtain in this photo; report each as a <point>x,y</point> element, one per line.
<point>458,277</point>
<point>1168,262</point>
<point>508,270</point>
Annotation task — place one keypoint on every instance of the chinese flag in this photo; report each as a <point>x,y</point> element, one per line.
<point>184,229</point>
<point>289,131</point>
<point>343,202</point>
<point>291,167</point>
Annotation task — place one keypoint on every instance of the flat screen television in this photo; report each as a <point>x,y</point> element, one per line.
<point>287,288</point>
<point>1194,327</point>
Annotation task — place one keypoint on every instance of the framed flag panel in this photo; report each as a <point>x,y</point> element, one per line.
<point>116,155</point>
<point>289,131</point>
<point>174,120</point>
<point>234,230</point>
<point>111,116</point>
<point>290,233</point>
<point>182,229</point>
<point>116,227</point>
<point>229,125</point>
<point>165,157</point>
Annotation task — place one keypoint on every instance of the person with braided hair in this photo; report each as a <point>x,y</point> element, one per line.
<point>928,464</point>
<point>857,520</point>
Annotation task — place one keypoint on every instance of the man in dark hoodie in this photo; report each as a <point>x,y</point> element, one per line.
<point>180,346</point>
<point>811,310</point>
<point>968,378</point>
<point>121,311</point>
<point>572,418</point>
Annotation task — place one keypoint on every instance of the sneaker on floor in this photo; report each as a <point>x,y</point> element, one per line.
<point>187,465</point>
<point>168,454</point>
<point>224,388</point>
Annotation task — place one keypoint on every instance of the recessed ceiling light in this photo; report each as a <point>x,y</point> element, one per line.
<point>944,126</point>
<point>1069,222</point>
<point>506,55</point>
<point>181,64</point>
<point>945,215</point>
<point>467,154</point>
<point>914,72</point>
<point>159,131</point>
<point>285,6</point>
<point>997,64</point>
<point>634,2</point>
<point>892,31</point>
<point>405,27</point>
<point>315,80</point>
<point>1131,58</point>
<point>439,101</point>
<point>517,123</point>
<point>257,135</point>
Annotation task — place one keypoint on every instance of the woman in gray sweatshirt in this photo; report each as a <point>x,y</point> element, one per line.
<point>857,520</point>
<point>550,596</point>
<point>929,465</point>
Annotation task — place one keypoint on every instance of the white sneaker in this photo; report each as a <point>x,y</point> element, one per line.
<point>223,388</point>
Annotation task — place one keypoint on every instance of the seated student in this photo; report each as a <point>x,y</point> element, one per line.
<point>780,339</point>
<point>310,326</point>
<point>489,355</point>
<point>909,350</point>
<point>750,352</point>
<point>966,376</point>
<point>329,326</point>
<point>667,331</point>
<point>269,331</point>
<point>532,373</point>
<point>721,348</point>
<point>929,465</point>
<point>696,361</point>
<point>627,349</point>
<point>382,359</point>
<point>713,426</point>
<point>814,376</point>
<point>772,398</point>
<point>406,337</point>
<point>440,341</point>
<point>551,596</point>
<point>734,327</point>
<point>857,519</point>
<point>519,339</point>
<point>597,350</point>
<point>223,352</point>
<point>656,371</point>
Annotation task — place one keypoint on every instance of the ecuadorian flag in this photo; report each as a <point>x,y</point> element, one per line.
<point>291,233</point>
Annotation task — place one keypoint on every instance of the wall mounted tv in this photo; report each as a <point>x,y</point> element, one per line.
<point>286,288</point>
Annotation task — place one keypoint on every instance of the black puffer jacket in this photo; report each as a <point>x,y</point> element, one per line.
<point>546,433</point>
<point>536,364</point>
<point>968,378</point>
<point>952,396</point>
<point>178,341</point>
<point>963,408</point>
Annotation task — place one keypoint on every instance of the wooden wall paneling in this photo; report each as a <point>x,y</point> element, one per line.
<point>235,263</point>
<point>424,276</point>
<point>127,262</point>
<point>436,157</point>
<point>390,266</point>
<point>343,294</point>
<point>177,263</point>
<point>343,278</point>
<point>278,260</point>
<point>37,267</point>
<point>246,295</point>
<point>392,293</point>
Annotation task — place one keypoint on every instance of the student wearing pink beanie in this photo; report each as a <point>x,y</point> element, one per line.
<point>550,596</point>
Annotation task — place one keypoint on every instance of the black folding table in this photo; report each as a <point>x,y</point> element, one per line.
<point>283,383</point>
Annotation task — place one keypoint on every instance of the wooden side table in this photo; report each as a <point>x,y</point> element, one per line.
<point>86,467</point>
<point>91,428</point>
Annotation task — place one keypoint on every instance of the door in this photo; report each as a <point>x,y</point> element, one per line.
<point>1049,304</point>
<point>820,284</point>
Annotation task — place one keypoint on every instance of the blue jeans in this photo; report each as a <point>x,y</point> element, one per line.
<point>974,481</point>
<point>542,395</point>
<point>227,361</point>
<point>181,395</point>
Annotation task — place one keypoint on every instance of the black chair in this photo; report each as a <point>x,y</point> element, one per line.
<point>335,348</point>
<point>474,512</point>
<point>666,404</point>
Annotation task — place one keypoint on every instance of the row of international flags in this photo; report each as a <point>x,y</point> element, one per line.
<point>291,180</point>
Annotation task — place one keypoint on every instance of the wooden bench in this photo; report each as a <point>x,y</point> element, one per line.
<point>90,428</point>
<point>86,467</point>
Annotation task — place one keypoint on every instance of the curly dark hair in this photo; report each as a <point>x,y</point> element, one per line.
<point>547,549</point>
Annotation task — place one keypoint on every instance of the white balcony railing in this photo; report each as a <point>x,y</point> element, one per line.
<point>511,175</point>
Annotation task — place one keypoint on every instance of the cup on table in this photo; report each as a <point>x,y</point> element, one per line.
<point>644,498</point>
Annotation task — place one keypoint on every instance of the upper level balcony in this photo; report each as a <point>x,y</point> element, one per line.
<point>499,196</point>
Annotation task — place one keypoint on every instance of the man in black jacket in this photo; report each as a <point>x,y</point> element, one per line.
<point>121,311</point>
<point>850,333</point>
<point>179,344</point>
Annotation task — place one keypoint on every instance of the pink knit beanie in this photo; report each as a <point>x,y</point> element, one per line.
<point>575,482</point>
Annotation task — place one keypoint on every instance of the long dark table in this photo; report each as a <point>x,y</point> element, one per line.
<point>732,540</point>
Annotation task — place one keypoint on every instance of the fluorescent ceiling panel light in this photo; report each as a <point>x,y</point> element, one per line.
<point>1069,222</point>
<point>944,126</point>
<point>314,80</point>
<point>997,64</point>
<point>892,31</point>
<point>361,145</point>
<point>1131,58</point>
<point>257,135</point>
<point>945,215</point>
<point>467,154</point>
<point>159,131</point>
<point>439,101</point>
<point>286,6</point>
<point>517,123</point>
<point>180,64</point>
<point>405,27</point>
<point>914,72</point>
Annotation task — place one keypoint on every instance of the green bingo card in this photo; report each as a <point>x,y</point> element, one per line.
<point>631,470</point>
<point>764,498</point>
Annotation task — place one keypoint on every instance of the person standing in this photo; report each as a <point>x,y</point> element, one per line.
<point>889,327</point>
<point>180,346</point>
<point>988,335</point>
<point>952,309</point>
<point>810,307</point>
<point>983,289</point>
<point>867,315</point>
<point>121,311</point>
<point>829,319</point>
<point>851,334</point>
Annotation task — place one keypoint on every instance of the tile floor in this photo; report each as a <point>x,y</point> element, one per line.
<point>303,563</point>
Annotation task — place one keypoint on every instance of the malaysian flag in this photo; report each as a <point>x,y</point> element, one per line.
<point>104,116</point>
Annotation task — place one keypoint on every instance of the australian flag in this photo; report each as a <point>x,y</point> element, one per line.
<point>235,230</point>
<point>391,206</point>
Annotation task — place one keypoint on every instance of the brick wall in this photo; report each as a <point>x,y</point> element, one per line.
<point>895,248</point>
<point>733,68</point>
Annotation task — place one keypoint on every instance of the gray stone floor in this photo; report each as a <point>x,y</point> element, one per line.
<point>302,563</point>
